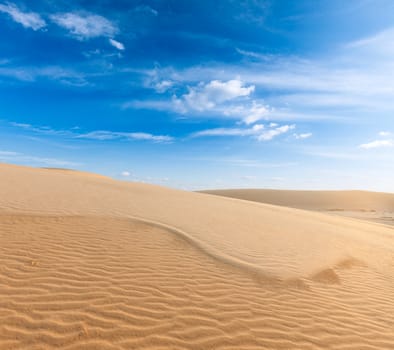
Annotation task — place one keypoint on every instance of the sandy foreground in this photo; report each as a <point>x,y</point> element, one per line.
<point>87,262</point>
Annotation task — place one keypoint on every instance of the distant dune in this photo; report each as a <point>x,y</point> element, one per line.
<point>374,206</point>
<point>87,262</point>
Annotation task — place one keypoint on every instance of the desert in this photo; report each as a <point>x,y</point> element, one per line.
<point>88,262</point>
<point>373,206</point>
<point>196,175</point>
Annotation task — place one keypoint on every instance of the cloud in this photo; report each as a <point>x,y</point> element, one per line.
<point>215,98</point>
<point>270,134</point>
<point>207,96</point>
<point>146,9</point>
<point>155,81</point>
<point>30,74</point>
<point>331,89</point>
<point>83,26</point>
<point>21,158</point>
<point>30,20</point>
<point>377,144</point>
<point>248,112</point>
<point>160,105</point>
<point>229,131</point>
<point>379,42</point>
<point>44,130</point>
<point>384,133</point>
<point>117,44</point>
<point>103,135</point>
<point>302,136</point>
<point>257,131</point>
<point>125,173</point>
<point>163,86</point>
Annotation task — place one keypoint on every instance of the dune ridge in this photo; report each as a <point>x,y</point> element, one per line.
<point>92,263</point>
<point>206,219</point>
<point>373,206</point>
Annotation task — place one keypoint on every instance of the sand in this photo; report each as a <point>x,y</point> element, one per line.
<point>372,206</point>
<point>87,262</point>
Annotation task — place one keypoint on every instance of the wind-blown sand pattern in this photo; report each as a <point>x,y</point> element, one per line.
<point>373,206</point>
<point>91,263</point>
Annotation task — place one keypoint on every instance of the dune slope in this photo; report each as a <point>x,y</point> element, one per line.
<point>374,206</point>
<point>92,263</point>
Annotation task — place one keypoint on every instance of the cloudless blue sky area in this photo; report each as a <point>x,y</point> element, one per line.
<point>202,94</point>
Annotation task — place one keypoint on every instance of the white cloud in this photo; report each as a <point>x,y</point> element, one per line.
<point>103,135</point>
<point>149,137</point>
<point>207,96</point>
<point>125,173</point>
<point>377,144</point>
<point>302,136</point>
<point>247,113</point>
<point>270,134</point>
<point>146,9</point>
<point>384,133</point>
<point>154,80</point>
<point>163,86</point>
<point>117,44</point>
<point>30,74</point>
<point>230,131</point>
<point>255,113</point>
<point>380,42</point>
<point>21,158</point>
<point>27,19</point>
<point>85,26</point>
<point>215,98</point>
<point>314,89</point>
<point>160,105</point>
<point>44,130</point>
<point>258,131</point>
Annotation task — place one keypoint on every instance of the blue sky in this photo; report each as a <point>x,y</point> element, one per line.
<point>202,94</point>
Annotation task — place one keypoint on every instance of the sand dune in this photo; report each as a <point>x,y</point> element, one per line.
<point>91,263</point>
<point>373,206</point>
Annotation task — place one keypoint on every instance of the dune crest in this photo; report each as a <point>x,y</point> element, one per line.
<point>246,233</point>
<point>374,206</point>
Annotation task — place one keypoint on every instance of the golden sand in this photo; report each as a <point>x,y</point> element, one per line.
<point>92,263</point>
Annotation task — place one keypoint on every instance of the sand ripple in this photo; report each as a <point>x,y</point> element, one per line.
<point>95,282</point>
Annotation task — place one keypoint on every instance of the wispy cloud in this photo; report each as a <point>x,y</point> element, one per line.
<point>332,88</point>
<point>216,98</point>
<point>206,96</point>
<point>302,136</point>
<point>83,26</point>
<point>384,133</point>
<point>43,130</point>
<point>30,74</point>
<point>377,144</point>
<point>100,135</point>
<point>117,44</point>
<point>378,42</point>
<point>270,134</point>
<point>248,112</point>
<point>21,158</point>
<point>258,131</point>
<point>30,20</point>
<point>111,135</point>
<point>146,9</point>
